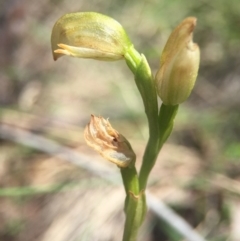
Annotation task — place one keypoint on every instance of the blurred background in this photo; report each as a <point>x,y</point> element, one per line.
<point>45,105</point>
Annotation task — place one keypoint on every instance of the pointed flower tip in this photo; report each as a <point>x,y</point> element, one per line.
<point>189,23</point>
<point>186,27</point>
<point>89,35</point>
<point>179,64</point>
<point>113,146</point>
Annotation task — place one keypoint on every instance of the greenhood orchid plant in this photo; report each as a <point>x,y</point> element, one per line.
<point>96,36</point>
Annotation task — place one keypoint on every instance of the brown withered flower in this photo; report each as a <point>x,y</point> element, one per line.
<point>113,146</point>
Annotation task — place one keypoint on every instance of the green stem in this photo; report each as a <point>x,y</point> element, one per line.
<point>160,126</point>
<point>130,179</point>
<point>149,159</point>
<point>135,204</point>
<point>146,86</point>
<point>166,118</point>
<point>165,125</point>
<point>133,58</point>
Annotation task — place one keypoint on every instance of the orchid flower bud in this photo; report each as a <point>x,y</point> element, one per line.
<point>113,146</point>
<point>178,65</point>
<point>89,35</point>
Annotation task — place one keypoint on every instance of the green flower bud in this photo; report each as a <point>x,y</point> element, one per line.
<point>178,65</point>
<point>113,146</point>
<point>89,35</point>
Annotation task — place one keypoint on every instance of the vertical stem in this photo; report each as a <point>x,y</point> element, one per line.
<point>160,126</point>
<point>135,213</point>
<point>165,122</point>
<point>149,159</point>
<point>166,118</point>
<point>130,179</point>
<point>135,204</point>
<point>146,87</point>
